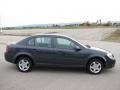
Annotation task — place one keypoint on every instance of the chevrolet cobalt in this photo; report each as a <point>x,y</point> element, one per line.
<point>57,50</point>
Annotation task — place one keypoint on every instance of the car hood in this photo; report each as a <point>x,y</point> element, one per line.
<point>99,49</point>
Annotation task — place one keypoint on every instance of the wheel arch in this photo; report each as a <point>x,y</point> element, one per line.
<point>99,58</point>
<point>23,55</point>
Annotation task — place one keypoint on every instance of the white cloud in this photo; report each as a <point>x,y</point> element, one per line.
<point>20,12</point>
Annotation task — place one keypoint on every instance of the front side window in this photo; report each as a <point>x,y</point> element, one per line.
<point>64,43</point>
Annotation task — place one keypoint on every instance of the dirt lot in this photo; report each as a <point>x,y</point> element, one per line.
<point>83,34</point>
<point>46,78</point>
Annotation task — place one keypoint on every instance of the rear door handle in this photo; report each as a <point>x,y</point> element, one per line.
<point>60,52</point>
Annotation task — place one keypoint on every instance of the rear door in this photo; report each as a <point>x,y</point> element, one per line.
<point>41,49</point>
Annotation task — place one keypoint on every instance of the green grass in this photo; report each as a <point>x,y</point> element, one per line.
<point>115,37</point>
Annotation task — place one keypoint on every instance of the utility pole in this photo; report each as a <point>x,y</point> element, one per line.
<point>1,26</point>
<point>0,29</point>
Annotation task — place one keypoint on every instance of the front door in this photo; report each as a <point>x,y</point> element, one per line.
<point>65,52</point>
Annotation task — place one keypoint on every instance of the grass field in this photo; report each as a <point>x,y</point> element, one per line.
<point>115,36</point>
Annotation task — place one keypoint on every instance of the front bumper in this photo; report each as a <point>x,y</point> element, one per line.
<point>110,63</point>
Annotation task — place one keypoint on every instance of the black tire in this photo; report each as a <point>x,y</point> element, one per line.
<point>27,62</point>
<point>93,68</point>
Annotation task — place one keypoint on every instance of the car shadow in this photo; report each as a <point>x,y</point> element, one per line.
<point>46,69</point>
<point>67,70</point>
<point>107,71</point>
<point>52,69</point>
<point>58,69</point>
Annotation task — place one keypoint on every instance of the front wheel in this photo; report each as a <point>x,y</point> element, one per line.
<point>95,66</point>
<point>24,64</point>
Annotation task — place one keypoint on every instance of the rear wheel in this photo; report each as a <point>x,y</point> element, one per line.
<point>24,64</point>
<point>95,66</point>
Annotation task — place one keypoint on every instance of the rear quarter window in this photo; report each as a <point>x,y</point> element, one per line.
<point>31,42</point>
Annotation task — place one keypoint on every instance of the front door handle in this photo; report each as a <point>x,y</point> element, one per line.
<point>60,52</point>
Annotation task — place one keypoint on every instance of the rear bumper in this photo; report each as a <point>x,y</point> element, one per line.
<point>8,57</point>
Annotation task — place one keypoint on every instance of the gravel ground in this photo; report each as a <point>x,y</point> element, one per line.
<point>85,34</point>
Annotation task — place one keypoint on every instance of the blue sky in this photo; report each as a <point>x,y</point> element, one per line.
<point>24,12</point>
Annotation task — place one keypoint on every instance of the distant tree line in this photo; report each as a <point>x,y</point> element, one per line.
<point>78,25</point>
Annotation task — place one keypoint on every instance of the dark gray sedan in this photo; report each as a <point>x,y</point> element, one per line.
<point>57,50</point>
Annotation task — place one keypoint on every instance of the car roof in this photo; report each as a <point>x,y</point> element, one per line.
<point>50,35</point>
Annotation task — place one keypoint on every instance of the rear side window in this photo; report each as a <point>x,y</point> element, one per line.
<point>43,42</point>
<point>40,42</point>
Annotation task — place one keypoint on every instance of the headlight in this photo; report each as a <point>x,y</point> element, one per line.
<point>110,55</point>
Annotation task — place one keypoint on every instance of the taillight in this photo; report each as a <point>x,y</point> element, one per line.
<point>7,48</point>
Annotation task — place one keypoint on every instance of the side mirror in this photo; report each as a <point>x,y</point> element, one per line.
<point>88,46</point>
<point>77,48</point>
